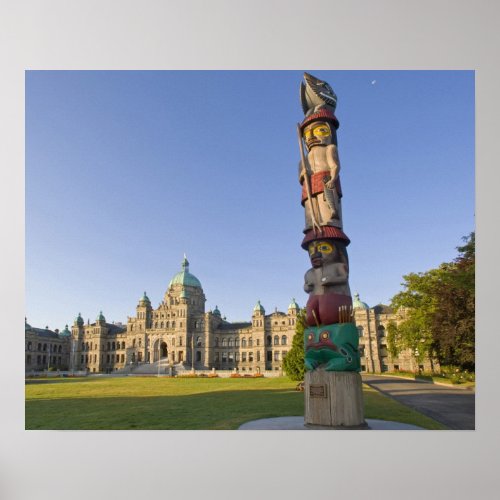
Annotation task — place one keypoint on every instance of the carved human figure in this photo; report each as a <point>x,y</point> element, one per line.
<point>322,167</point>
<point>327,282</point>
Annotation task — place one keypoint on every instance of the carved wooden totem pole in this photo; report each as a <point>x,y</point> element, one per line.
<point>333,391</point>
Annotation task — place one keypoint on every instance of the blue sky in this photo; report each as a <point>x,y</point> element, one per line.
<point>126,171</point>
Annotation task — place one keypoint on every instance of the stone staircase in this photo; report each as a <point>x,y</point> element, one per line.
<point>162,367</point>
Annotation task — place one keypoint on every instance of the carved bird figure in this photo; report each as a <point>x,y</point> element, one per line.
<point>316,94</point>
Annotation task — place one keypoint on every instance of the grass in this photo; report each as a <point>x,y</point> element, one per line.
<point>176,403</point>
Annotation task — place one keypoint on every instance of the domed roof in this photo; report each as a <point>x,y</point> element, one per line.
<point>65,332</point>
<point>144,300</point>
<point>294,305</point>
<point>27,326</point>
<point>184,277</point>
<point>79,320</point>
<point>216,311</point>
<point>357,304</point>
<point>100,317</point>
<point>258,308</point>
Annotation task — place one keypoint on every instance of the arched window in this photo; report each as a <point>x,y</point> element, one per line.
<point>156,324</point>
<point>161,324</point>
<point>216,341</point>
<point>123,345</point>
<point>173,324</point>
<point>381,331</point>
<point>231,342</point>
<point>360,331</point>
<point>257,342</point>
<point>40,347</point>
<point>109,346</point>
<point>133,343</point>
<point>250,342</point>
<point>269,340</point>
<point>276,340</point>
<point>224,342</point>
<point>140,342</point>
<point>167,324</point>
<point>198,356</point>
<point>283,340</point>
<point>198,341</point>
<point>113,344</point>
<point>86,346</point>
<point>258,355</point>
<point>237,342</point>
<point>59,349</point>
<point>243,342</point>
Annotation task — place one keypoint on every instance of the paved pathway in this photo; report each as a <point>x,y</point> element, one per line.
<point>453,407</point>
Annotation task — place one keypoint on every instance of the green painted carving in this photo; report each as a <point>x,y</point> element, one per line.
<point>333,347</point>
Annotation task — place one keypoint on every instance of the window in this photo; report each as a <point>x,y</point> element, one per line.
<point>250,342</point>
<point>123,345</point>
<point>198,356</point>
<point>283,354</point>
<point>237,356</point>
<point>276,340</point>
<point>237,342</point>
<point>276,356</point>
<point>381,331</point>
<point>244,357</point>
<point>29,346</point>
<point>40,347</point>
<point>250,357</point>
<point>217,357</point>
<point>231,342</point>
<point>258,355</point>
<point>113,346</point>
<point>257,342</point>
<point>243,342</point>
<point>269,356</point>
<point>44,347</point>
<point>231,357</point>
<point>224,342</point>
<point>216,341</point>
<point>109,346</point>
<point>28,359</point>
<point>269,340</point>
<point>133,343</point>
<point>107,359</point>
<point>123,358</point>
<point>198,342</point>
<point>283,340</point>
<point>360,331</point>
<point>224,357</point>
<point>117,358</point>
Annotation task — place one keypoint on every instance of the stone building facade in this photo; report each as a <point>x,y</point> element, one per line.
<point>180,334</point>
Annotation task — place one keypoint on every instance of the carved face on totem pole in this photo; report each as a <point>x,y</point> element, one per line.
<point>317,134</point>
<point>322,252</point>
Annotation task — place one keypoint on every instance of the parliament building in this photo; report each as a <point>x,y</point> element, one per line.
<point>180,336</point>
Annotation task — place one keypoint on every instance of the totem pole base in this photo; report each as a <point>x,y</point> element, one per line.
<point>333,400</point>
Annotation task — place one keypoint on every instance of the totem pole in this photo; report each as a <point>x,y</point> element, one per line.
<point>331,337</point>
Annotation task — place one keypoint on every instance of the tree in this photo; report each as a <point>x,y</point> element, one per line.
<point>438,309</point>
<point>293,364</point>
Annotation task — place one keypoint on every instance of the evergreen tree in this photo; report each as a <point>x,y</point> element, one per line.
<point>293,364</point>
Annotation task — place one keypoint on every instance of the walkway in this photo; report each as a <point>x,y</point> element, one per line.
<point>453,407</point>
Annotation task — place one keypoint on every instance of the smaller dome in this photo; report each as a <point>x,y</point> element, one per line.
<point>216,311</point>
<point>294,305</point>
<point>184,277</point>
<point>357,304</point>
<point>144,300</point>
<point>27,326</point>
<point>79,320</point>
<point>100,317</point>
<point>65,332</point>
<point>258,308</point>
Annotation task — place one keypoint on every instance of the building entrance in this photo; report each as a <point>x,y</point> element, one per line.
<point>163,350</point>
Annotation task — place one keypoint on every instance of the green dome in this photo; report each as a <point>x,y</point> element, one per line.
<point>27,326</point>
<point>294,305</point>
<point>79,320</point>
<point>100,317</point>
<point>185,278</point>
<point>65,332</point>
<point>144,300</point>
<point>357,304</point>
<point>216,311</point>
<point>258,308</point>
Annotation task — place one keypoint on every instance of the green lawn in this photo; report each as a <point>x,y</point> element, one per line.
<point>177,403</point>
